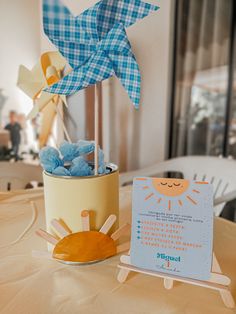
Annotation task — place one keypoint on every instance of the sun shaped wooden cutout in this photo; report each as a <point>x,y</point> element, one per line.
<point>86,246</point>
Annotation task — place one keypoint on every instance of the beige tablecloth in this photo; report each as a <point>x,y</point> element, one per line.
<point>32,285</point>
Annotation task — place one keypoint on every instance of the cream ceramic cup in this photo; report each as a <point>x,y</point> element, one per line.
<point>67,197</point>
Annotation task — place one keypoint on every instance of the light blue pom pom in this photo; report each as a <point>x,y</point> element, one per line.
<point>61,171</point>
<point>50,159</point>
<point>80,168</point>
<point>86,147</point>
<point>69,151</point>
<point>73,153</point>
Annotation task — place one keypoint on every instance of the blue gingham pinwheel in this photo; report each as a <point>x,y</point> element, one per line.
<point>95,43</point>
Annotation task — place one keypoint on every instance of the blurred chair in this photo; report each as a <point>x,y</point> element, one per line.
<point>18,175</point>
<point>4,138</point>
<point>4,145</point>
<point>220,172</point>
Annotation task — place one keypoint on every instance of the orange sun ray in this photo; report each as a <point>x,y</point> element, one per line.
<point>180,202</point>
<point>141,179</point>
<point>191,200</point>
<point>196,191</point>
<point>149,196</point>
<point>201,182</point>
<point>145,187</point>
<point>159,200</point>
<point>169,205</point>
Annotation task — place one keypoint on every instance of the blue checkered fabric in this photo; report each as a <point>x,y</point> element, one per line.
<point>126,12</point>
<point>95,43</point>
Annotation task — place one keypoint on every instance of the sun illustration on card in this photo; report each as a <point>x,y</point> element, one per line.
<point>171,189</point>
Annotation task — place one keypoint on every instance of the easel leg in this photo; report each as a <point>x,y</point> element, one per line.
<point>168,283</point>
<point>225,295</point>
<point>123,274</point>
<point>227,298</point>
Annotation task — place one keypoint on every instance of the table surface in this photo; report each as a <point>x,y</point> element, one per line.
<point>31,285</point>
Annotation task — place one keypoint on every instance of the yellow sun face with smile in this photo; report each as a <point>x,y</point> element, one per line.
<point>170,190</point>
<point>170,187</point>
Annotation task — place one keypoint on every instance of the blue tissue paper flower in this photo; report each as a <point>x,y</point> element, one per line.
<point>69,151</point>
<point>73,153</point>
<point>86,147</point>
<point>50,159</point>
<point>61,171</point>
<point>80,168</point>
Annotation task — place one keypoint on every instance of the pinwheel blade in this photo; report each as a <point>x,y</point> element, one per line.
<point>63,30</point>
<point>52,58</point>
<point>98,20</point>
<point>30,81</point>
<point>40,104</point>
<point>76,53</point>
<point>124,63</point>
<point>127,70</point>
<point>96,70</point>
<point>127,12</point>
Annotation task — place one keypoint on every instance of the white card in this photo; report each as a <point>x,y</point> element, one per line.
<point>172,226</point>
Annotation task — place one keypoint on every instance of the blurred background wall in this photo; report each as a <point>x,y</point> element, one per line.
<point>20,44</point>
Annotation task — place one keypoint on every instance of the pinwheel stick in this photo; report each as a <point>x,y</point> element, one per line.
<point>96,128</point>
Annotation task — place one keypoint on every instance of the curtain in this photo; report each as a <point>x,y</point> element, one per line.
<point>201,57</point>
